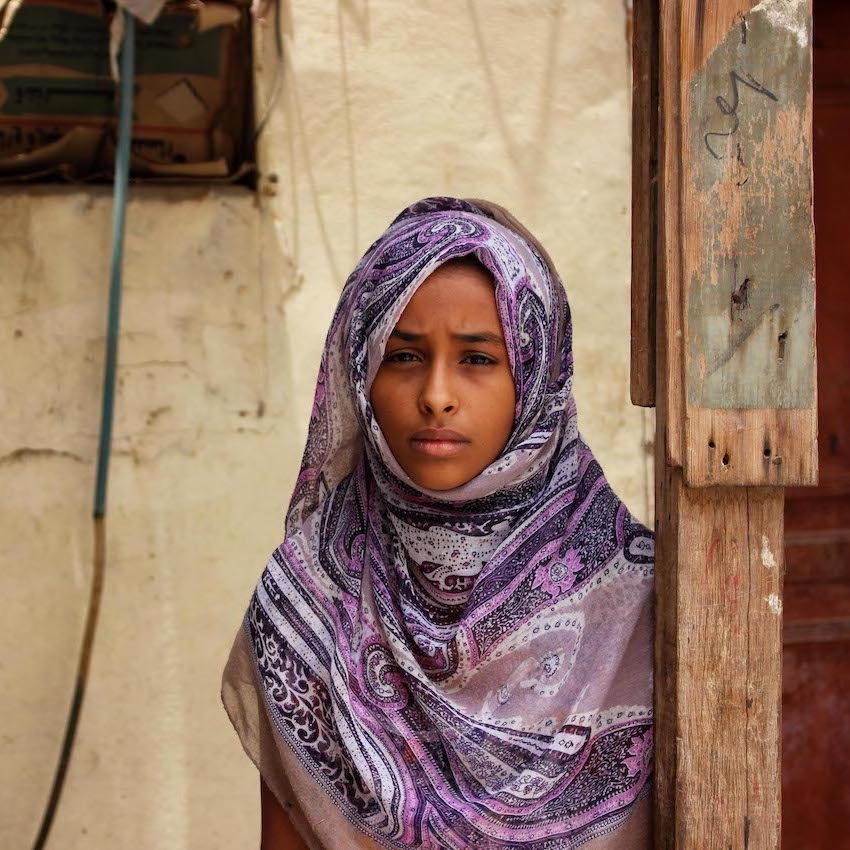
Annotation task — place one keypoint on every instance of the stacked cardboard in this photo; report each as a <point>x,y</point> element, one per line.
<point>59,105</point>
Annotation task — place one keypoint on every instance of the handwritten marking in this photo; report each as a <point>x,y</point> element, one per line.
<point>743,19</point>
<point>726,108</point>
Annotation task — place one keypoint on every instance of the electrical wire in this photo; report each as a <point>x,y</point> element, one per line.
<point>119,209</point>
<point>277,77</point>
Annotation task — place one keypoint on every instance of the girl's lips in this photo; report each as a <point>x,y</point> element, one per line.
<point>438,442</point>
<point>438,448</point>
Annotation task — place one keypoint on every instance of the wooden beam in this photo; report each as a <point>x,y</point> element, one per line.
<point>718,665</point>
<point>644,199</point>
<point>736,421</point>
<point>669,301</point>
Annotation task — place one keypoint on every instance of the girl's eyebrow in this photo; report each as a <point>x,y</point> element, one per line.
<point>481,336</point>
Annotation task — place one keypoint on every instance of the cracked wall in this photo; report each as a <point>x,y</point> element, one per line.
<point>227,299</point>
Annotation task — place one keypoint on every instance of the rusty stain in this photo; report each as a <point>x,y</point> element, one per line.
<point>156,413</point>
<point>732,594</point>
<point>709,555</point>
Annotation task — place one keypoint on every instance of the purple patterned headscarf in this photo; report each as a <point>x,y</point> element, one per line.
<point>468,668</point>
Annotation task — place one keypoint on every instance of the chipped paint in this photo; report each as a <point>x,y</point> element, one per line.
<point>768,559</point>
<point>774,603</point>
<point>748,143</point>
<point>791,15</point>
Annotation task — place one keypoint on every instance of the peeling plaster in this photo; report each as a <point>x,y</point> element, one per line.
<point>790,15</point>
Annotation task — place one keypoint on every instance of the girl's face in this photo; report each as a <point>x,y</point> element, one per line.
<point>444,393</point>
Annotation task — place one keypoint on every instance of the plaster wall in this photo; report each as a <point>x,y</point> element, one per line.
<point>227,299</point>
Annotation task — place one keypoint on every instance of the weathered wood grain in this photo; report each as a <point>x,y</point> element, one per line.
<point>644,199</point>
<point>670,366</point>
<point>668,486</point>
<point>719,548</point>
<point>770,446</point>
<point>718,662</point>
<point>746,274</point>
<point>765,512</point>
<point>749,256</point>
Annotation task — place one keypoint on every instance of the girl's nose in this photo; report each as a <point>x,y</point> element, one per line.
<point>438,395</point>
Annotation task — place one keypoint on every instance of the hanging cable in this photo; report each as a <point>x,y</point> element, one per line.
<point>119,209</point>
<point>277,76</point>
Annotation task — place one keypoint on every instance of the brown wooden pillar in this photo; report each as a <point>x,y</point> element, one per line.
<point>724,263</point>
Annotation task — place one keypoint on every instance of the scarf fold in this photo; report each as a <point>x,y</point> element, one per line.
<point>468,668</point>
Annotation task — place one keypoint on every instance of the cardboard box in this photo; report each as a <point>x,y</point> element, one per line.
<point>58,102</point>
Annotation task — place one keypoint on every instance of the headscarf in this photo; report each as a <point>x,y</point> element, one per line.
<point>467,668</point>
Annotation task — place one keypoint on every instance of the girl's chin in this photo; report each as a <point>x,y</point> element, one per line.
<point>440,479</point>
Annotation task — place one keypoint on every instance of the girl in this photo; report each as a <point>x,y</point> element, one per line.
<point>452,646</point>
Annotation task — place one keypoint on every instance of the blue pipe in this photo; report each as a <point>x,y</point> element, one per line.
<point>119,209</point>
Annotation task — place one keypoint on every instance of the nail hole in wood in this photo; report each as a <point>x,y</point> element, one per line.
<point>740,297</point>
<point>782,337</point>
<point>725,460</point>
<point>712,444</point>
<point>767,451</point>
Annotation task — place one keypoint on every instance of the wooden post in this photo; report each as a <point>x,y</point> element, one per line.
<point>735,391</point>
<point>644,199</point>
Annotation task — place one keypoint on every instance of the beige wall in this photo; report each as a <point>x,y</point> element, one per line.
<point>225,309</point>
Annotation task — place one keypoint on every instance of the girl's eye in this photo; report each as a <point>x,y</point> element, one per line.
<point>400,357</point>
<point>479,360</point>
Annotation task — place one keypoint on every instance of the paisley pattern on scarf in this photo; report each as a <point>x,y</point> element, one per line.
<point>470,668</point>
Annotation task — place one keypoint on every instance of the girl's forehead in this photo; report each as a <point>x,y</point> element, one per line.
<point>461,295</point>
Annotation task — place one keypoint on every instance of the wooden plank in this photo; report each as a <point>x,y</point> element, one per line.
<point>644,199</point>
<point>747,256</point>
<point>718,549</point>
<point>668,486</point>
<point>670,366</point>
<point>718,662</point>
<point>769,446</point>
